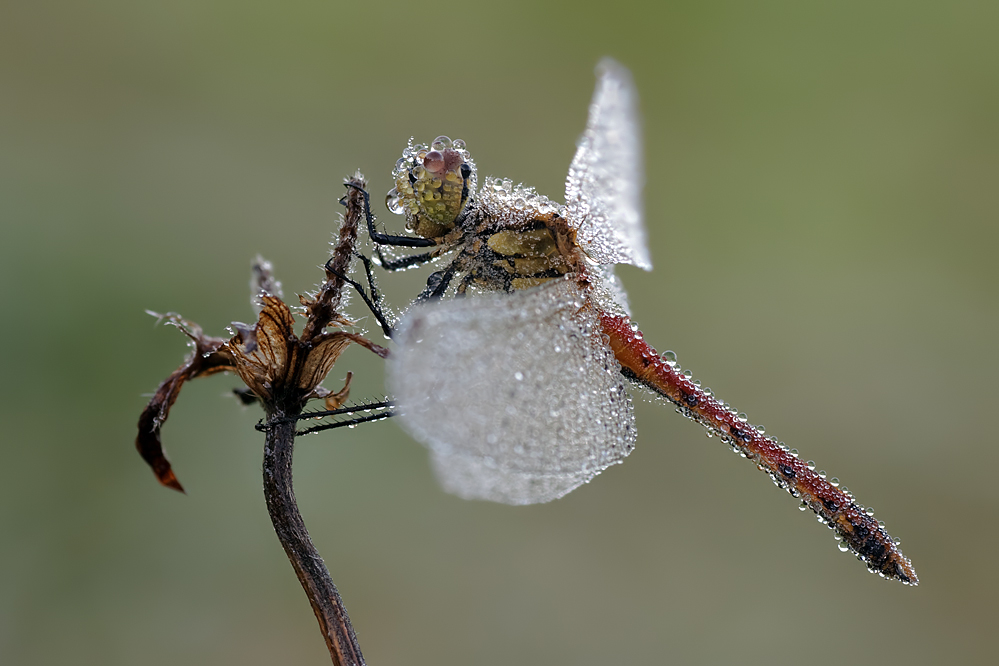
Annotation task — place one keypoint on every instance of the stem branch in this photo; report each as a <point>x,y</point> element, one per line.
<point>279,447</point>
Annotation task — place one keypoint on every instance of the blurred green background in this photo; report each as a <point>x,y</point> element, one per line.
<point>822,209</point>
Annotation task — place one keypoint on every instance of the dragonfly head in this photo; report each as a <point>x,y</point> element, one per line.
<point>432,185</point>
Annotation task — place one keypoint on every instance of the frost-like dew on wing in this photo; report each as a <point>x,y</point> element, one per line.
<point>607,291</point>
<point>604,187</point>
<point>516,396</point>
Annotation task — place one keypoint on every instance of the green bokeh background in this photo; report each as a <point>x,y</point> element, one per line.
<point>822,211</point>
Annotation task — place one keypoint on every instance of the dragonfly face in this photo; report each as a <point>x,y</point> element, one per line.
<point>432,186</point>
<point>520,396</point>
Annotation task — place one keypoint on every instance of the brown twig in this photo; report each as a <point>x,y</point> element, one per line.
<point>291,531</point>
<point>323,309</point>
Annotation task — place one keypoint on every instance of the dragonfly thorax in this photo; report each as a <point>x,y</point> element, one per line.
<point>432,186</point>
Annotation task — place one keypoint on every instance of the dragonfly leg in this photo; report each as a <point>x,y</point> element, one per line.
<point>348,423</point>
<point>386,239</point>
<point>403,262</point>
<point>437,284</point>
<point>382,407</point>
<point>344,411</point>
<point>372,287</point>
<point>373,301</point>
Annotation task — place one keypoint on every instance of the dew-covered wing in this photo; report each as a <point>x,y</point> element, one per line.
<point>603,192</point>
<point>516,395</point>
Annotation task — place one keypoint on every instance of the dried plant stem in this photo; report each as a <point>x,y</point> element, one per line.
<point>279,447</point>
<point>282,371</point>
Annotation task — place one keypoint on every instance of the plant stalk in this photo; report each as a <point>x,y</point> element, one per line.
<point>312,573</point>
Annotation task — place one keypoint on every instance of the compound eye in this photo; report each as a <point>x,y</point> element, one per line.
<point>466,171</point>
<point>434,161</point>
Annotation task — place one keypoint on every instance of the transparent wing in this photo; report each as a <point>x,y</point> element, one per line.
<point>603,192</point>
<point>516,395</point>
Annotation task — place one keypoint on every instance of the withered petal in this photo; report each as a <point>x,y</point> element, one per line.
<point>246,336</point>
<point>336,400</point>
<point>264,352</point>
<point>321,358</point>
<point>275,332</point>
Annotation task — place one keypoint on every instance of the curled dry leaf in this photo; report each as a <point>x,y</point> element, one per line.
<point>207,357</point>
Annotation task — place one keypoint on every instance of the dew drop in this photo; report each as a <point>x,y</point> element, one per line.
<point>394,202</point>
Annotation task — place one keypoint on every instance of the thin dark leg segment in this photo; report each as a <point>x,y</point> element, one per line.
<point>348,423</point>
<point>403,262</point>
<point>437,284</point>
<point>385,239</point>
<point>370,301</point>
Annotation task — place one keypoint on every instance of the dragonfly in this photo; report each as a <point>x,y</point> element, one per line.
<point>513,365</point>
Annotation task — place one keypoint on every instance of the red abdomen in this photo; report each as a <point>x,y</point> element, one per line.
<point>854,525</point>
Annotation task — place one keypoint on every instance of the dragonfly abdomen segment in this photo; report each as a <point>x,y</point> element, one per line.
<point>855,525</point>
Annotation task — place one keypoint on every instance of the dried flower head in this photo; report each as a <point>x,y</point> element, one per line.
<point>281,369</point>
